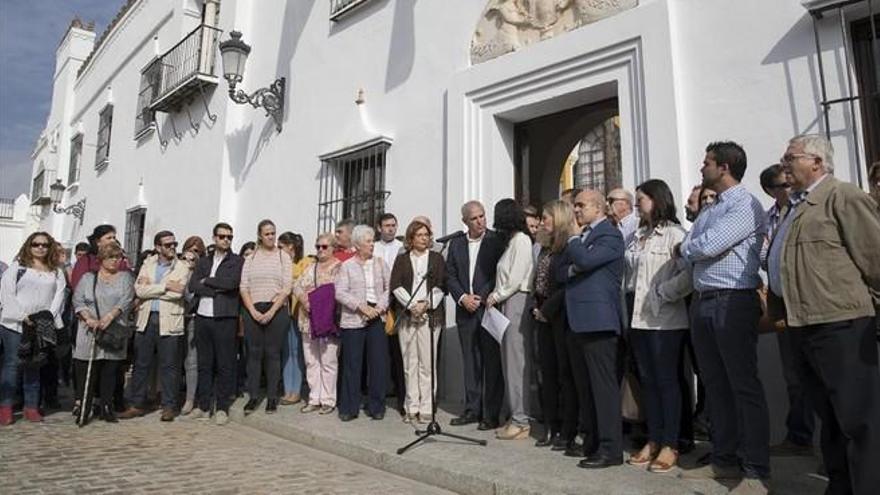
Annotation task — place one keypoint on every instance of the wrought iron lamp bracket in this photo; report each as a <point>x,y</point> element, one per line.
<point>78,210</point>
<point>270,99</point>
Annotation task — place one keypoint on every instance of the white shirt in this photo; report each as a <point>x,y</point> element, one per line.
<point>388,251</point>
<point>206,304</point>
<point>515,267</point>
<point>370,282</point>
<point>420,268</point>
<point>35,291</point>
<point>628,226</point>
<point>473,251</point>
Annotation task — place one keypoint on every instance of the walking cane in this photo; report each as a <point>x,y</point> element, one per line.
<point>84,404</point>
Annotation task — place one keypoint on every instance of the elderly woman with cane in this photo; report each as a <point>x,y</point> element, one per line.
<point>102,302</point>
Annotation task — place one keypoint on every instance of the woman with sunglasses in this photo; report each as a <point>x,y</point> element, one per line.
<point>193,250</point>
<point>265,289</point>
<point>32,284</point>
<point>321,353</point>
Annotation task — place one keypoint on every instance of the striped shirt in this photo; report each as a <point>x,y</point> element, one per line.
<point>266,274</point>
<point>724,245</point>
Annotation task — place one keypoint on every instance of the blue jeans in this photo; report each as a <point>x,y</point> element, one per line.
<point>9,372</point>
<point>292,374</point>
<point>657,355</point>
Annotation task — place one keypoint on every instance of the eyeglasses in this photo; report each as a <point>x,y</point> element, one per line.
<point>42,245</point>
<point>224,237</point>
<point>170,245</point>
<point>783,185</point>
<point>612,200</point>
<point>320,247</point>
<point>790,157</point>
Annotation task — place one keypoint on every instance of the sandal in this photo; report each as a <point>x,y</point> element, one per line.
<point>644,456</point>
<point>658,466</point>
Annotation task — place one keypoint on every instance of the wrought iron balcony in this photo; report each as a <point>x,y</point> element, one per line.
<point>40,187</point>
<point>187,68</point>
<point>7,208</point>
<point>339,8</point>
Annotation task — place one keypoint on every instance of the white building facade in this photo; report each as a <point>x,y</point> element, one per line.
<point>414,106</point>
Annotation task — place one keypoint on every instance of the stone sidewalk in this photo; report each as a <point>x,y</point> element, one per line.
<point>501,468</point>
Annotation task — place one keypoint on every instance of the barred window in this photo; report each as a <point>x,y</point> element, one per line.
<point>149,90</point>
<point>76,148</point>
<point>134,233</point>
<point>598,165</point>
<point>105,123</point>
<point>352,185</point>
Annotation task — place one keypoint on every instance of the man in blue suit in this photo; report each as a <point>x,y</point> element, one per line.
<point>470,269</point>
<point>592,272</point>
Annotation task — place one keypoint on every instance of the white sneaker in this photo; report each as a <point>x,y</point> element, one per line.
<point>198,414</point>
<point>221,418</point>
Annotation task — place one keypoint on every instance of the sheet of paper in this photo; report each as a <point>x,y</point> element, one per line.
<point>495,323</point>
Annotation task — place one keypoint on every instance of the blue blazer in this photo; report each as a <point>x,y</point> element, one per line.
<point>458,269</point>
<point>592,285</point>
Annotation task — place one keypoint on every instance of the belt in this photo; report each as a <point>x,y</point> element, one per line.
<point>712,294</point>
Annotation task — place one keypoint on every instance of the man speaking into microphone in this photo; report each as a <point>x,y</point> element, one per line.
<point>470,270</point>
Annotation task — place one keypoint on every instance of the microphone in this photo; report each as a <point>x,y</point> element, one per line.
<point>448,237</point>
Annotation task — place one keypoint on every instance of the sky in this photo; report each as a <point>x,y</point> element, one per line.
<point>30,31</point>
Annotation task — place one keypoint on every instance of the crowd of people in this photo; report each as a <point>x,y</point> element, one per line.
<point>608,300</point>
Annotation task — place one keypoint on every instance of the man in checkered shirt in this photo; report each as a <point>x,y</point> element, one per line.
<point>724,247</point>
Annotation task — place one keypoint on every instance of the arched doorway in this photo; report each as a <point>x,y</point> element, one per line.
<point>579,147</point>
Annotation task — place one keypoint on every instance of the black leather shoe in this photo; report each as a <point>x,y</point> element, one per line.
<point>271,406</point>
<point>108,414</point>
<point>347,417</point>
<point>560,443</point>
<point>465,419</point>
<point>546,440</point>
<point>378,417</point>
<point>251,406</point>
<point>574,449</point>
<point>599,461</point>
<point>487,425</point>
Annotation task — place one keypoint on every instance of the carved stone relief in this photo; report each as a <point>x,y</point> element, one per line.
<point>508,25</point>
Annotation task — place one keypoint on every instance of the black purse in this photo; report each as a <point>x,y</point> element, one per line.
<point>114,337</point>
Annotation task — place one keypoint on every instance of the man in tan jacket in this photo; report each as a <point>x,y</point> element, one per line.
<point>160,286</point>
<point>824,262</point>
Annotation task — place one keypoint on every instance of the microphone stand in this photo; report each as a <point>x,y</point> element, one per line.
<point>433,427</point>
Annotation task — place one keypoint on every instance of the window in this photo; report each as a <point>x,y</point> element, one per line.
<point>339,8</point>
<point>149,90</point>
<point>867,69</point>
<point>134,233</point>
<point>598,165</point>
<point>105,123</point>
<point>76,148</point>
<point>38,186</point>
<point>352,185</point>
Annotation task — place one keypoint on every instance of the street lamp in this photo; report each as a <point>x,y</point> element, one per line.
<point>234,53</point>
<point>78,209</point>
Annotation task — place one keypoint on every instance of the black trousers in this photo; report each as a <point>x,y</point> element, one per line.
<point>837,363</point>
<point>472,361</point>
<point>264,351</point>
<point>148,345</point>
<point>595,359</point>
<point>102,378</point>
<point>559,401</point>
<point>493,375</point>
<point>724,332</point>
<point>216,348</point>
<point>398,383</point>
<point>49,378</point>
<point>372,341</point>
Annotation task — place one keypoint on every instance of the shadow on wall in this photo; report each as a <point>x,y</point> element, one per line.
<point>237,151</point>
<point>799,43</point>
<point>356,15</point>
<point>296,15</point>
<point>402,49</point>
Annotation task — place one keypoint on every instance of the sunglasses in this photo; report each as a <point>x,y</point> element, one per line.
<point>224,237</point>
<point>320,247</point>
<point>170,245</point>
<point>779,186</point>
<point>44,245</point>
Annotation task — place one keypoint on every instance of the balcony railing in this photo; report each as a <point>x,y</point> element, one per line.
<point>339,8</point>
<point>7,208</point>
<point>185,69</point>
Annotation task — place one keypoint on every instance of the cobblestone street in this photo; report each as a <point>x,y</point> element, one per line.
<point>147,456</point>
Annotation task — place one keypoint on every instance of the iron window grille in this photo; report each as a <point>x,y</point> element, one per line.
<point>76,147</point>
<point>352,185</point>
<point>149,90</point>
<point>7,208</point>
<point>598,165</point>
<point>340,8</point>
<point>105,124</point>
<point>861,56</point>
<point>135,220</point>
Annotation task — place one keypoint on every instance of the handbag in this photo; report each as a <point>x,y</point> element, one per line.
<point>322,310</point>
<point>114,337</point>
